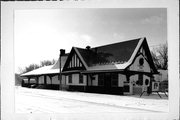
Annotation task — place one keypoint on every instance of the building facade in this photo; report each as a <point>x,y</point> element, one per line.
<point>120,68</point>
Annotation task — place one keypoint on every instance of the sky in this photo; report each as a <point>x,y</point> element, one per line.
<point>39,34</point>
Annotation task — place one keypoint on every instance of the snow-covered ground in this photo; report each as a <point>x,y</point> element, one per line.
<point>29,100</point>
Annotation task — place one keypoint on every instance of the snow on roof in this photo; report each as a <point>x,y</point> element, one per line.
<point>116,52</point>
<point>122,64</point>
<point>109,57</point>
<point>41,71</point>
<point>51,69</point>
<point>109,66</point>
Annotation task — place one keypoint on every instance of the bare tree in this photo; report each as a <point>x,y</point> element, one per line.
<point>47,62</point>
<point>30,68</point>
<point>160,56</point>
<point>35,66</point>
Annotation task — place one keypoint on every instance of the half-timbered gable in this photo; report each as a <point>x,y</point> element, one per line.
<point>74,61</point>
<point>143,60</point>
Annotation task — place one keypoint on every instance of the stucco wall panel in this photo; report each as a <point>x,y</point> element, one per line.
<point>48,80</point>
<point>41,80</point>
<point>55,80</point>
<point>136,67</point>
<point>75,80</point>
<point>85,79</point>
<point>95,81</point>
<point>121,79</point>
<point>89,81</point>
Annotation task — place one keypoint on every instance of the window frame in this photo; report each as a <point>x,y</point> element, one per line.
<point>101,78</point>
<point>81,81</point>
<point>114,78</point>
<point>70,78</point>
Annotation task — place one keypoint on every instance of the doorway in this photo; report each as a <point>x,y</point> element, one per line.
<point>107,82</point>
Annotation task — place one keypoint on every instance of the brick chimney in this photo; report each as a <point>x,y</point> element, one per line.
<point>62,52</point>
<point>88,47</point>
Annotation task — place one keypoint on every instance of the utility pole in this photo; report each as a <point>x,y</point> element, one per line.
<point>60,75</point>
<point>62,52</point>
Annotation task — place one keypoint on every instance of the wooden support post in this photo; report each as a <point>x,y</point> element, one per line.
<point>29,84</point>
<point>28,80</point>
<point>50,79</point>
<point>60,72</point>
<point>65,80</point>
<point>127,79</point>
<point>87,84</point>
<point>45,80</point>
<point>37,80</point>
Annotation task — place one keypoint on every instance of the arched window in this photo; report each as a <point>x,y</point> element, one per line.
<point>141,61</point>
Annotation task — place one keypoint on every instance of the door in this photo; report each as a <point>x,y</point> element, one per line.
<point>107,82</point>
<point>137,89</point>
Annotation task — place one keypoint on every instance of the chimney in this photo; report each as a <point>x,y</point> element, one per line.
<point>62,52</point>
<point>88,47</point>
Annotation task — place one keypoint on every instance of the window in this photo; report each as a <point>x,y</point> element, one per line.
<point>141,61</point>
<point>101,79</point>
<point>70,78</point>
<point>114,79</point>
<point>75,59</point>
<point>80,78</point>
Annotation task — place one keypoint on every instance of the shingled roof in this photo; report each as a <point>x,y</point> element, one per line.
<point>107,54</point>
<point>114,56</point>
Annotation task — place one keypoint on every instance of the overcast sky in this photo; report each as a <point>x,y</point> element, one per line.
<point>40,34</point>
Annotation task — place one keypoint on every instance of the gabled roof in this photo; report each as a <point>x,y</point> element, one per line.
<point>114,56</point>
<point>41,71</point>
<point>63,61</point>
<point>107,54</point>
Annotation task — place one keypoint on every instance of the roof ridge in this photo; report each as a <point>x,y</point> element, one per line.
<point>112,43</point>
<point>119,42</point>
<point>80,48</point>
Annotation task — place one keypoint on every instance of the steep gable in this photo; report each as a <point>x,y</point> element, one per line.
<point>74,61</point>
<point>144,52</point>
<point>114,56</point>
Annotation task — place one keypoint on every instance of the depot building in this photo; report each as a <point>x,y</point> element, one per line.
<point>120,68</point>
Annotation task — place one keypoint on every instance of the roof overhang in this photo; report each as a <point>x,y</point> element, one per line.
<point>103,71</point>
<point>46,70</point>
<point>38,75</point>
<point>122,71</point>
